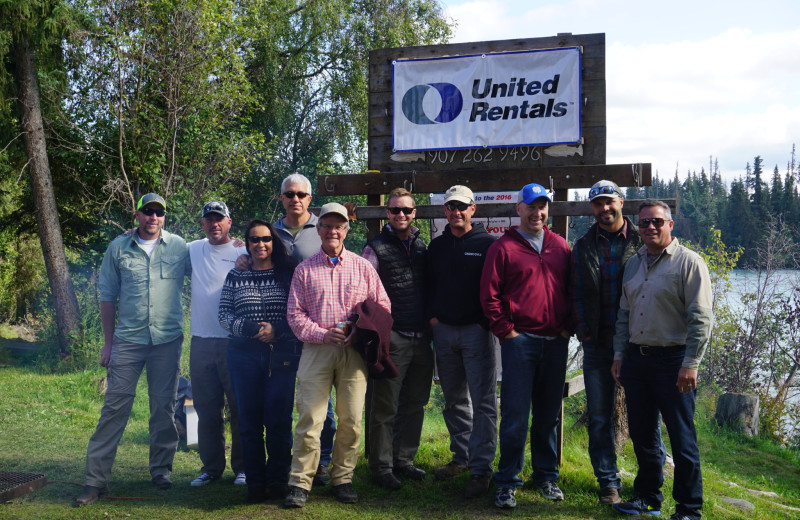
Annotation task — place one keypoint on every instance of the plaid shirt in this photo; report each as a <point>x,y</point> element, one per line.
<point>323,294</point>
<point>609,254</point>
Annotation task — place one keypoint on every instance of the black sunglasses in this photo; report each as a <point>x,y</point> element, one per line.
<point>291,194</point>
<point>460,206</point>
<point>255,240</point>
<point>395,210</point>
<point>657,222</point>
<point>152,211</point>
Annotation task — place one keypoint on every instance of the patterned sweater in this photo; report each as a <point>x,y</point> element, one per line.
<point>249,297</point>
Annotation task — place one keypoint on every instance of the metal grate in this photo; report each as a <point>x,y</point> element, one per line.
<point>14,485</point>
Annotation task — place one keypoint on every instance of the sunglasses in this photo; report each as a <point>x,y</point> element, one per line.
<point>290,194</point>
<point>602,190</point>
<point>394,210</point>
<point>644,223</point>
<point>460,206</point>
<point>152,211</point>
<point>255,240</point>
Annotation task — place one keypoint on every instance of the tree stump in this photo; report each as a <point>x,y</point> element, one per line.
<point>738,411</point>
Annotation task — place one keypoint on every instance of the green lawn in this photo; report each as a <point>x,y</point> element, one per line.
<point>46,422</point>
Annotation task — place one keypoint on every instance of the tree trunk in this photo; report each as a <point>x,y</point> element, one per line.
<point>620,420</point>
<point>66,304</point>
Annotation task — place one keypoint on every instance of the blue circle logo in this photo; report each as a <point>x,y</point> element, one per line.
<point>452,102</point>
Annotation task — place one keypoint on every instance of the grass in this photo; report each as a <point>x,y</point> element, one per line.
<point>46,421</point>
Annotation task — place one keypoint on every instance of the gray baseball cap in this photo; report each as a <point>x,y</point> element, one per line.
<point>333,208</point>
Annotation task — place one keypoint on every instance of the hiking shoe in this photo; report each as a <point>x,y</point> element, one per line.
<point>478,485</point>
<point>388,481</point>
<point>321,477</point>
<point>609,495</point>
<point>240,480</point>
<point>450,470</point>
<point>638,506</point>
<point>202,480</point>
<point>162,482</point>
<point>345,493</point>
<point>296,497</point>
<point>550,490</point>
<point>504,498</point>
<point>90,495</point>
<point>410,471</point>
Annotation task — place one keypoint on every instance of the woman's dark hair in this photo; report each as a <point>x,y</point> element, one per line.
<point>284,264</point>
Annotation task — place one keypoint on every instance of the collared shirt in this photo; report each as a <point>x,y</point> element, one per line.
<point>666,305</point>
<point>148,288</point>
<point>305,243</point>
<point>323,294</point>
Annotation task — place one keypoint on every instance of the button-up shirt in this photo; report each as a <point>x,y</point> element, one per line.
<point>323,294</point>
<point>148,288</point>
<point>666,305</point>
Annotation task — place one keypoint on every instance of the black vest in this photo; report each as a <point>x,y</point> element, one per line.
<point>403,277</point>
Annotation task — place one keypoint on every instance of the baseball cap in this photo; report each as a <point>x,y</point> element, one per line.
<point>148,198</point>
<point>216,207</point>
<point>333,208</point>
<point>459,193</point>
<point>531,192</point>
<point>604,189</point>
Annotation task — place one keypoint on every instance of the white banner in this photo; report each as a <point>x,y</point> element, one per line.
<point>487,100</point>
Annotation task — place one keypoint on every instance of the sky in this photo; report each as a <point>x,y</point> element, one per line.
<point>685,80</point>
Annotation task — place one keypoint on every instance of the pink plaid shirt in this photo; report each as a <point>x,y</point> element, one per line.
<point>323,295</point>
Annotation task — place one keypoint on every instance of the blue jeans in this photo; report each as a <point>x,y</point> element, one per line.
<point>600,399</point>
<point>326,437</point>
<point>649,383</point>
<point>465,360</point>
<point>533,382</point>
<point>263,377</point>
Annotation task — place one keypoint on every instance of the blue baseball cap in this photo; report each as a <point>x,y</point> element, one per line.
<point>531,192</point>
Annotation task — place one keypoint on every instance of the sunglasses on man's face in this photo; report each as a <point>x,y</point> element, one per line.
<point>644,223</point>
<point>290,194</point>
<point>153,211</point>
<point>255,240</point>
<point>395,210</point>
<point>460,206</point>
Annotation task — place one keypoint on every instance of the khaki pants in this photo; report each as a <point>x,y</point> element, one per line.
<point>323,366</point>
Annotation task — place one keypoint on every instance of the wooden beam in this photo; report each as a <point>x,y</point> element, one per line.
<point>564,177</point>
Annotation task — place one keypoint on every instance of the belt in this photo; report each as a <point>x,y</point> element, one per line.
<point>651,350</point>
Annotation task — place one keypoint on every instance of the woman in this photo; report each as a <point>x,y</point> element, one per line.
<point>262,359</point>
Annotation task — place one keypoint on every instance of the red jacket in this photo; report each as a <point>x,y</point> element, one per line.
<point>524,291</point>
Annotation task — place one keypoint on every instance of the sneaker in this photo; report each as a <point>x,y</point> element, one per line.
<point>322,478</point>
<point>240,480</point>
<point>638,506</point>
<point>162,482</point>
<point>296,497</point>
<point>345,493</point>
<point>682,516</point>
<point>410,471</point>
<point>504,498</point>
<point>203,480</point>
<point>478,485</point>
<point>388,481</point>
<point>550,490</point>
<point>90,495</point>
<point>450,470</point>
<point>609,495</point>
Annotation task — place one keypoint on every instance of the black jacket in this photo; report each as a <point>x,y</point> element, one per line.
<point>454,268</point>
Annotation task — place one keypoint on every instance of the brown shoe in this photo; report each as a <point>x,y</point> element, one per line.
<point>609,495</point>
<point>90,495</point>
<point>477,486</point>
<point>452,469</point>
<point>322,477</point>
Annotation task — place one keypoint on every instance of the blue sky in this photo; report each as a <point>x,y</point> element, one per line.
<point>685,80</point>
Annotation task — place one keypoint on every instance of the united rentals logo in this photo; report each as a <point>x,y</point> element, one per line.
<point>452,103</point>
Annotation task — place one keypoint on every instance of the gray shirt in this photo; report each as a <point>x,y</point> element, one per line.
<point>305,243</point>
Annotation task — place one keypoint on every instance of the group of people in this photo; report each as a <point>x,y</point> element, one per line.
<point>274,327</point>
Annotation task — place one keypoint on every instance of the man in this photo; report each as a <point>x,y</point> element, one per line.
<point>663,328</point>
<point>463,344</point>
<point>324,292</point>
<point>598,260</point>
<point>525,295</point>
<point>398,404</point>
<point>298,232</point>
<point>212,258</point>
<point>143,272</point>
